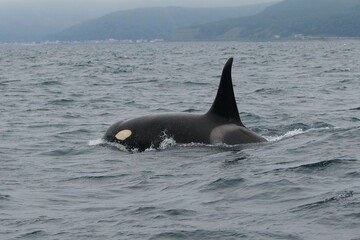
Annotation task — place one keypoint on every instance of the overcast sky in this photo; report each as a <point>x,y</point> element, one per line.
<point>126,4</point>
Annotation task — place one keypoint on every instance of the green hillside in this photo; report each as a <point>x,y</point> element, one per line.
<point>287,19</point>
<point>150,23</point>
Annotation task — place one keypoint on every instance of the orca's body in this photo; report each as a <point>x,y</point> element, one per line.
<point>221,124</point>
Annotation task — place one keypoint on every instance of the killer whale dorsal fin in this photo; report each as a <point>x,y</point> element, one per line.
<point>225,104</point>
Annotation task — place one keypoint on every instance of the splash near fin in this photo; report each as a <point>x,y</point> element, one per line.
<point>225,103</point>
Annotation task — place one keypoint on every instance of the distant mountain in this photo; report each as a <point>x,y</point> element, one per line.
<point>28,21</point>
<point>284,20</point>
<point>150,23</point>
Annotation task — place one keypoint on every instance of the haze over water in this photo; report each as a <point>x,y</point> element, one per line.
<point>59,180</point>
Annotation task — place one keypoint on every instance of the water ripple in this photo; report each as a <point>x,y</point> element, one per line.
<point>60,180</point>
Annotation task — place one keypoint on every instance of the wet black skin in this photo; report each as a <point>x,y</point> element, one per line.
<point>221,124</point>
<point>151,130</point>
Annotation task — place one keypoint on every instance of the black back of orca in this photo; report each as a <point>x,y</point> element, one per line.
<point>221,124</point>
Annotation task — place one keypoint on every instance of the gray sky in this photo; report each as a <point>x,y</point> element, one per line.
<point>126,4</point>
<point>80,10</point>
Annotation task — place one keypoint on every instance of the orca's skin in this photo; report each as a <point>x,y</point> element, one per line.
<point>221,124</point>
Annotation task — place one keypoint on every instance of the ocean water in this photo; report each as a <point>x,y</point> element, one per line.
<point>59,180</point>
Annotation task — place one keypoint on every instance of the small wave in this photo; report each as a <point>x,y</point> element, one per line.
<point>196,83</point>
<point>321,165</point>
<point>222,183</point>
<point>34,234</point>
<point>336,70</point>
<point>269,91</point>
<point>199,234</point>
<point>144,210</point>
<point>353,174</point>
<point>50,83</point>
<point>179,212</point>
<point>63,152</point>
<point>61,101</point>
<point>323,203</point>
<point>96,178</point>
<point>286,135</point>
<point>115,145</point>
<point>295,132</point>
<point>120,147</point>
<point>4,197</point>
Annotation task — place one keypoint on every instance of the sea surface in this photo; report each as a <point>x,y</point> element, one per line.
<point>60,180</point>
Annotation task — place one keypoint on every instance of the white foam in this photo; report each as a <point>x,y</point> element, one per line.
<point>167,142</point>
<point>96,142</point>
<point>286,135</point>
<point>118,146</point>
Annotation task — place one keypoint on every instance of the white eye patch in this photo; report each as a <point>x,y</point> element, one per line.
<point>123,134</point>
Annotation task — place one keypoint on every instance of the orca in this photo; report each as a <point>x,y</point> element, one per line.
<point>220,125</point>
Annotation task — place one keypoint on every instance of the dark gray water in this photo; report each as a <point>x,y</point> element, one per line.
<point>59,180</point>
